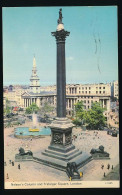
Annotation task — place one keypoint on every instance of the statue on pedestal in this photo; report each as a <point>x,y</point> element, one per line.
<point>22,156</point>
<point>60,17</point>
<point>99,153</point>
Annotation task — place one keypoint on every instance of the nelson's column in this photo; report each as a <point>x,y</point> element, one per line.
<point>61,152</point>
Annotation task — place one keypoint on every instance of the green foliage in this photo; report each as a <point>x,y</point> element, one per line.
<point>7,110</point>
<point>77,122</point>
<point>93,118</point>
<point>46,108</point>
<point>32,108</point>
<point>79,110</point>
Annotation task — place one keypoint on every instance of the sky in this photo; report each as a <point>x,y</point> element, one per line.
<point>91,47</point>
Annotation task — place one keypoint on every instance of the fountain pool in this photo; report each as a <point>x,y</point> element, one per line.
<point>23,132</point>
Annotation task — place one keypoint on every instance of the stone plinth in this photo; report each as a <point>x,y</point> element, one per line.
<point>19,158</point>
<point>61,150</point>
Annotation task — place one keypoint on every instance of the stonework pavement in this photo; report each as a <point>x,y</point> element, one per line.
<point>32,171</point>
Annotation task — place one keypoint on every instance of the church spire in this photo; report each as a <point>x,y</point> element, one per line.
<point>34,61</point>
<point>34,80</point>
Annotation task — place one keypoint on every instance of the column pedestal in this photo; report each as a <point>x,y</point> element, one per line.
<point>61,150</point>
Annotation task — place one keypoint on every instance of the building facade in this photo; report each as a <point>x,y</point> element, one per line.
<point>115,90</point>
<point>88,93</point>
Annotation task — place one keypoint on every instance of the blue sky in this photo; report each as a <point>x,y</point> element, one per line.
<point>91,48</point>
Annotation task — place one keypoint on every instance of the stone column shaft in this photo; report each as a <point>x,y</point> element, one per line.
<point>61,80</point>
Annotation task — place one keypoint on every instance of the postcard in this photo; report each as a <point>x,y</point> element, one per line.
<point>60,97</point>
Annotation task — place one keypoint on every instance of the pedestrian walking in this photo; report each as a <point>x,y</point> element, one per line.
<point>18,166</point>
<point>81,174</point>
<point>112,167</point>
<point>108,166</point>
<point>9,161</point>
<point>5,164</point>
<point>12,163</point>
<point>7,176</point>
<point>70,178</point>
<point>104,174</point>
<point>102,166</point>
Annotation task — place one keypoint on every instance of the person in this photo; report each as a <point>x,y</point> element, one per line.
<point>81,174</point>
<point>18,166</point>
<point>112,167</point>
<point>7,176</point>
<point>104,174</point>
<point>70,178</point>
<point>108,166</point>
<point>102,166</point>
<point>12,163</point>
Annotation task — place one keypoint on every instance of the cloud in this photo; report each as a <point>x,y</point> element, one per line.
<point>70,58</point>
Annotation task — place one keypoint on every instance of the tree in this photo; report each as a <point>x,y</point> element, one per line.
<point>32,108</point>
<point>46,108</point>
<point>79,110</point>
<point>7,110</point>
<point>94,117</point>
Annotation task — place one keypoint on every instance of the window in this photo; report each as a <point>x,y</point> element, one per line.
<point>88,107</point>
<point>88,101</point>
<point>79,91</point>
<point>82,91</point>
<point>82,87</point>
<point>84,101</point>
<point>99,91</point>
<point>91,101</point>
<point>103,87</point>
<point>89,87</point>
<point>103,91</point>
<point>86,91</point>
<point>99,87</point>
<point>89,92</point>
<point>86,87</point>
<point>79,88</point>
<point>96,87</point>
<point>96,92</point>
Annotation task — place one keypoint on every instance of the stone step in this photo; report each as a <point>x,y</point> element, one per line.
<point>45,160</point>
<point>80,161</point>
<point>65,158</point>
<point>62,149</point>
<point>61,153</point>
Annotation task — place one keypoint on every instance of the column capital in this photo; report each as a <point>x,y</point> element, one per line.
<point>60,35</point>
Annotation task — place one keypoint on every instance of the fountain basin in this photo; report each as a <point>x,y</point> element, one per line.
<point>23,132</point>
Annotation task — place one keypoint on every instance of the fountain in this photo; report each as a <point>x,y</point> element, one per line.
<point>33,131</point>
<point>35,123</point>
